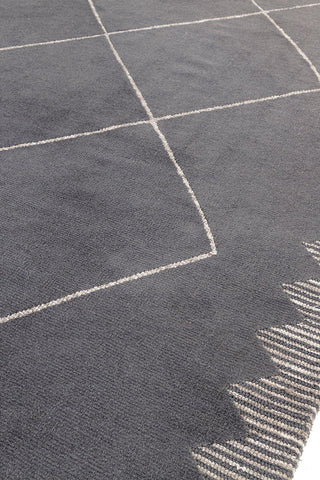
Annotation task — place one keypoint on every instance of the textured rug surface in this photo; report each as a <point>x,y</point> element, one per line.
<point>160,238</point>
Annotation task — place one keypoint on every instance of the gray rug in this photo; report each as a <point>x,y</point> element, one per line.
<point>160,238</point>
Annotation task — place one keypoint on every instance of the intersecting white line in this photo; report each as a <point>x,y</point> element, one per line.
<point>239,104</point>
<point>120,281</point>
<point>287,37</point>
<point>166,25</point>
<point>146,273</point>
<point>152,121</point>
<point>74,135</point>
<point>158,119</point>
<point>214,19</point>
<point>154,124</point>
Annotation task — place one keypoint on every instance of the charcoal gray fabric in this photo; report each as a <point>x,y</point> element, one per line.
<point>90,210</point>
<point>129,376</point>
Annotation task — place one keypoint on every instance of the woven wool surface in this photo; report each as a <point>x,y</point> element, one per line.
<point>160,238</point>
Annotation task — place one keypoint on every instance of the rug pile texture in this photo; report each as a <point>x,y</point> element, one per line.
<point>160,238</point>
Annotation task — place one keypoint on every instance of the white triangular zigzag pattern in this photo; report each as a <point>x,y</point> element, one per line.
<point>278,411</point>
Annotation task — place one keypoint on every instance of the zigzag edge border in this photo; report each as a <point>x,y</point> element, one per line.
<point>278,411</point>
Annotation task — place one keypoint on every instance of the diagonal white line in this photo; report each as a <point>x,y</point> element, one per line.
<point>294,7</point>
<point>180,24</point>
<point>153,121</point>
<point>154,124</point>
<point>287,37</point>
<point>158,119</point>
<point>153,27</point>
<point>213,19</point>
<point>74,135</point>
<point>238,104</point>
<point>120,281</point>
<point>52,42</point>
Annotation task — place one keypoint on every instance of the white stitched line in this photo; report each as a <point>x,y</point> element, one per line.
<point>287,37</point>
<point>220,468</point>
<point>237,104</point>
<point>284,395</point>
<point>251,417</point>
<point>313,249</point>
<point>157,130</point>
<point>279,357</point>
<point>52,42</point>
<point>300,381</point>
<point>306,352</point>
<point>207,20</point>
<point>306,297</point>
<point>291,289</point>
<point>311,329</point>
<point>248,461</point>
<point>131,30</point>
<point>297,328</point>
<point>208,473</point>
<point>120,281</point>
<point>278,381</point>
<point>75,135</point>
<point>285,366</point>
<point>311,317</point>
<point>267,410</point>
<point>312,245</point>
<point>188,186</point>
<point>256,453</point>
<point>305,305</point>
<point>257,443</point>
<point>271,397</point>
<point>181,24</point>
<point>295,7</point>
<point>266,416</point>
<point>307,285</point>
<point>232,458</point>
<point>286,333</point>
<point>256,431</point>
<point>158,119</point>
